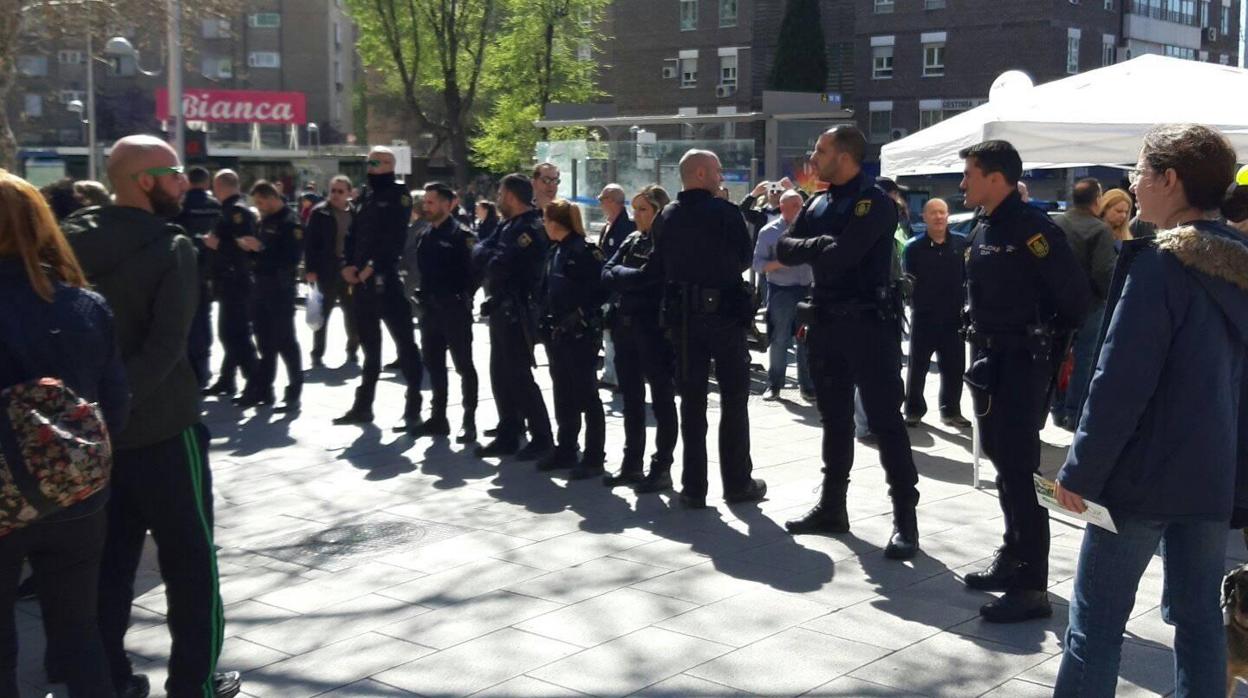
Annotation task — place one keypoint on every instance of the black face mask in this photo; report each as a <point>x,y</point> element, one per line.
<point>380,180</point>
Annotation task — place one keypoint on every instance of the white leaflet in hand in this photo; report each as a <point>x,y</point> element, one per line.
<point>1095,514</point>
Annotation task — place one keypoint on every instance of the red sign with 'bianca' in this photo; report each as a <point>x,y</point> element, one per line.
<point>237,106</point>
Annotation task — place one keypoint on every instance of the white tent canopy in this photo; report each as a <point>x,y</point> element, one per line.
<point>1094,118</point>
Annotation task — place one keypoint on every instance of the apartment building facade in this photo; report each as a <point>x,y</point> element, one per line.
<point>305,46</point>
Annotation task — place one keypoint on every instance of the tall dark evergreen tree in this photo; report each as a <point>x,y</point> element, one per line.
<point>801,63</point>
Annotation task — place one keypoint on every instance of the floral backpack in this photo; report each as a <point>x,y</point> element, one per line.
<point>54,446</point>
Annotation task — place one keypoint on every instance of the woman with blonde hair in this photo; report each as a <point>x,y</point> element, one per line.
<point>570,302</point>
<point>643,354</point>
<point>65,332</point>
<point>1116,212</point>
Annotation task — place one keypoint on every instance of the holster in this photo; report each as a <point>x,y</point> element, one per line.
<point>981,379</point>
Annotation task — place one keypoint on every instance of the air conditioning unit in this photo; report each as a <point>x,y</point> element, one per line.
<point>669,72</point>
<point>897,134</point>
<point>1211,34</point>
<point>725,91</point>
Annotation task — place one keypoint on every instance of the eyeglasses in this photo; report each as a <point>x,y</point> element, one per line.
<point>374,163</point>
<point>1242,178</point>
<point>159,171</point>
<point>552,181</point>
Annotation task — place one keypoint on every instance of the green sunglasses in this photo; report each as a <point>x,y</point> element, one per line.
<point>1242,178</point>
<point>373,163</point>
<point>159,171</point>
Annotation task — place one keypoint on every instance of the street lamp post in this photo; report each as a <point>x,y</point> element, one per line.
<point>92,164</point>
<point>77,107</point>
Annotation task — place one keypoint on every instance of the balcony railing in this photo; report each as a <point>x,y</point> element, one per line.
<point>1162,10</point>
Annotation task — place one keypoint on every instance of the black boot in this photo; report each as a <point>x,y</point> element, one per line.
<point>500,446</point>
<point>290,400</point>
<point>590,465</point>
<point>999,576</point>
<point>905,541</point>
<point>558,459</point>
<point>361,411</point>
<point>659,479</point>
<point>630,475</point>
<point>829,516</point>
<point>535,450</point>
<point>254,398</point>
<point>436,425</point>
<point>1016,606</point>
<point>468,429</point>
<point>756,492</point>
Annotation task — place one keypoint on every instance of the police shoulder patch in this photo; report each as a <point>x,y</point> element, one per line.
<point>862,208</point>
<point>238,218</point>
<point>298,233</point>
<point>405,200</point>
<point>524,240</point>
<point>1038,245</point>
<point>597,253</point>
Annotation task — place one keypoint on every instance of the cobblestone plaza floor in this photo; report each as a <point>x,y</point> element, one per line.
<point>359,563</point>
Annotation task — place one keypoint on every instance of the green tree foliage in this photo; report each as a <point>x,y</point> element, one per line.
<point>546,51</point>
<point>801,63</point>
<point>430,55</point>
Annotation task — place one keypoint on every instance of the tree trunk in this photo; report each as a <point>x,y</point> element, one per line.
<point>9,25</point>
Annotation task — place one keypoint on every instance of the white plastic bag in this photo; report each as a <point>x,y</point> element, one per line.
<point>315,308</point>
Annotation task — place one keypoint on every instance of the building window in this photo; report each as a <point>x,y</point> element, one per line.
<point>67,57</point>
<point>1181,52</point>
<point>67,96</point>
<point>264,20</point>
<point>1109,51</point>
<point>216,67</point>
<point>884,6</point>
<point>1226,17</point>
<point>1109,5</point>
<point>216,28</point>
<point>32,105</point>
<point>933,59</point>
<point>880,125</point>
<point>688,15</point>
<point>882,62</point>
<point>1205,13</point>
<point>1072,51</point>
<point>689,70</point>
<point>933,4</point>
<point>264,59</point>
<point>930,117</point>
<point>727,13</point>
<point>728,70</point>
<point>32,66</point>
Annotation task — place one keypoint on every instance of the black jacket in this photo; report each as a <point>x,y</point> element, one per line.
<point>281,236</point>
<point>939,272</point>
<point>846,235</point>
<point>640,300</point>
<point>71,338</point>
<point>319,254</point>
<point>613,234</point>
<point>229,261</point>
<point>379,226</point>
<point>510,261</point>
<point>145,268</point>
<point>572,282</point>
<point>444,259</point>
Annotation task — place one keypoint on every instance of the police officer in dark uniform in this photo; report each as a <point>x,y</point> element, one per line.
<point>1027,293</point>
<point>935,261</point>
<point>643,354</point>
<point>853,333</point>
<point>371,265</point>
<point>274,256</point>
<point>570,309</point>
<point>510,262</point>
<point>231,282</point>
<point>200,213</point>
<point>444,300</point>
<point>702,248</point>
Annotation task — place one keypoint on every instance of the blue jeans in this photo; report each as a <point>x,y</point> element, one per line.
<point>781,325</point>
<point>1110,567</point>
<point>1084,361</point>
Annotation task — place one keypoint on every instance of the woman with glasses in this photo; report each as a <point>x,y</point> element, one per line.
<point>65,332</point>
<point>1158,443</point>
<point>643,355</point>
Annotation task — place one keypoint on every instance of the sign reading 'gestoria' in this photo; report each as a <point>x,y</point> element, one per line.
<point>237,106</point>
